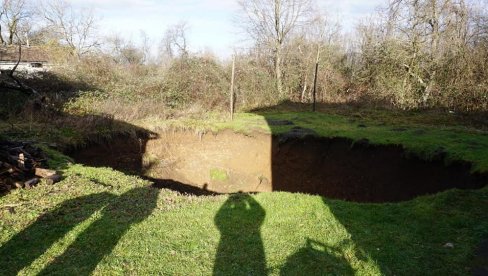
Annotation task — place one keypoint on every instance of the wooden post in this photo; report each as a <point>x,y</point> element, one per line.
<point>232,88</point>
<point>315,85</point>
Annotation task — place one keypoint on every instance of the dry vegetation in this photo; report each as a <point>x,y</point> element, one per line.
<point>411,55</point>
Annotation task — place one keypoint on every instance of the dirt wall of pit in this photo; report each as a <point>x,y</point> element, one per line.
<point>225,162</point>
<point>229,162</point>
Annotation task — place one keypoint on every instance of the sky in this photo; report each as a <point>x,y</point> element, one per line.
<point>211,22</point>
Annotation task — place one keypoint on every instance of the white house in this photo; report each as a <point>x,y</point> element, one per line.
<point>34,59</point>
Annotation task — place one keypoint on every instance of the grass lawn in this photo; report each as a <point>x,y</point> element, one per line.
<point>104,222</point>
<point>426,134</point>
<point>426,137</point>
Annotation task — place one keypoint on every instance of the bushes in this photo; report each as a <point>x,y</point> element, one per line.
<point>131,92</point>
<point>255,85</point>
<point>196,80</point>
<point>417,63</point>
<point>381,73</point>
<point>191,83</point>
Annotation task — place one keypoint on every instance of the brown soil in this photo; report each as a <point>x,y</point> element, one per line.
<point>228,162</point>
<point>361,172</point>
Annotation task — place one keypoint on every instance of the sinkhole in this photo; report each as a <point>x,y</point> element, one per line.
<point>229,162</point>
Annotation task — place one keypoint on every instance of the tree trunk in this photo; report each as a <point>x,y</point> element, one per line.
<point>434,44</point>
<point>12,30</point>
<point>279,80</point>
<point>11,38</point>
<point>315,85</point>
<point>305,86</point>
<point>2,41</point>
<point>279,42</point>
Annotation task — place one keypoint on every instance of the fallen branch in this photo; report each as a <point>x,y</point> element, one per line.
<point>11,205</point>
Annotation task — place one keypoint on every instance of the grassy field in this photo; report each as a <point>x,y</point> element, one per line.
<point>428,136</point>
<point>104,222</point>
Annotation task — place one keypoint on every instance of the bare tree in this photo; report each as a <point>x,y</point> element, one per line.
<point>76,28</point>
<point>14,15</point>
<point>315,38</point>
<point>8,80</point>
<point>431,28</point>
<point>124,51</point>
<point>478,24</point>
<point>421,53</point>
<point>175,42</point>
<point>2,14</point>
<point>145,46</point>
<point>271,22</point>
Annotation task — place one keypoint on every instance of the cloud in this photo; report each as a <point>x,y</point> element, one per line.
<point>113,3</point>
<point>210,21</point>
<point>350,11</point>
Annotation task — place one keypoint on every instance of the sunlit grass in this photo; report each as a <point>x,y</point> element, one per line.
<point>428,135</point>
<point>181,234</point>
<point>102,221</point>
<point>419,137</point>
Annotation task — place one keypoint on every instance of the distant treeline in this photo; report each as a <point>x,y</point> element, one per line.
<point>411,54</point>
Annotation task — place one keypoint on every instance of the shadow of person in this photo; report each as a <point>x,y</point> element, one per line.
<point>25,247</point>
<point>99,239</point>
<point>240,250</point>
<point>317,259</point>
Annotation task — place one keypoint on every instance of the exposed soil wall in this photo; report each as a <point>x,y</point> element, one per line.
<point>334,167</point>
<point>362,172</point>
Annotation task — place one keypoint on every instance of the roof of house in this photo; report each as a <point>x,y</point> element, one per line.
<point>29,54</point>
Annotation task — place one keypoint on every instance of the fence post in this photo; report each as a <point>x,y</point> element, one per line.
<point>232,88</point>
<point>315,85</point>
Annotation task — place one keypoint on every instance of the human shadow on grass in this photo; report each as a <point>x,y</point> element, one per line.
<point>240,250</point>
<point>410,238</point>
<point>316,258</point>
<point>100,238</point>
<point>29,244</point>
<point>118,214</point>
<point>395,238</point>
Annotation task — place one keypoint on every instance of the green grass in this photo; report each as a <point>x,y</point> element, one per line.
<point>426,141</point>
<point>418,136</point>
<point>218,174</point>
<point>426,134</point>
<point>102,221</point>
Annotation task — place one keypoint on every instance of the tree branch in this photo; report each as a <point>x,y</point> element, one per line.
<point>19,86</point>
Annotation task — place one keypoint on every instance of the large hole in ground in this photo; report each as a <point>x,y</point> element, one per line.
<point>228,162</point>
